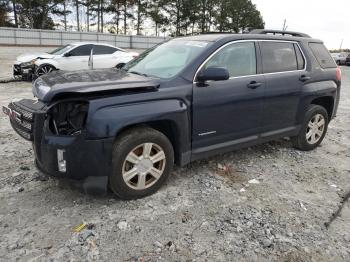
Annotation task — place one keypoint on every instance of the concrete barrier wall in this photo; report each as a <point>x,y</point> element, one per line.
<point>37,37</point>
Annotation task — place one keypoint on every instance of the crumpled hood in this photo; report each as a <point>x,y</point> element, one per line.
<point>48,86</point>
<point>29,57</point>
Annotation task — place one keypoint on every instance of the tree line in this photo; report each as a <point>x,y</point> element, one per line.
<point>178,17</point>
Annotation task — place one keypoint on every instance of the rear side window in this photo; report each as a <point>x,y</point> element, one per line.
<point>322,55</point>
<point>278,57</point>
<point>104,50</point>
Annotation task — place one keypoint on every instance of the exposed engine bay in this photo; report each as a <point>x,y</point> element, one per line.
<point>68,118</point>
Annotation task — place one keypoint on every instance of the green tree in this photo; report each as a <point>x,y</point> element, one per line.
<point>141,12</point>
<point>5,8</point>
<point>63,12</point>
<point>115,9</point>
<point>36,14</point>
<point>155,11</point>
<point>237,16</point>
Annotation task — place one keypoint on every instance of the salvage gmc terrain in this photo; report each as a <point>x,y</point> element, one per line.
<point>183,100</point>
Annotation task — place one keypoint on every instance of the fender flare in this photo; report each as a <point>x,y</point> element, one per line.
<point>50,62</point>
<point>109,121</point>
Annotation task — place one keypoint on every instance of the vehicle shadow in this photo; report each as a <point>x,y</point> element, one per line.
<point>225,162</point>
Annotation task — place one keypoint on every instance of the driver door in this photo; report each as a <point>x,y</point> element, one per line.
<point>228,112</point>
<point>77,58</point>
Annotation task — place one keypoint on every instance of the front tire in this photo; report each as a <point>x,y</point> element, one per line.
<point>142,160</point>
<point>43,70</point>
<point>313,130</point>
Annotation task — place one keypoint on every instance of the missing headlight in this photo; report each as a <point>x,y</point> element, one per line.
<point>68,118</point>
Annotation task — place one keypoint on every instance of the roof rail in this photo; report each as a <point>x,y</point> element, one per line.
<point>278,32</point>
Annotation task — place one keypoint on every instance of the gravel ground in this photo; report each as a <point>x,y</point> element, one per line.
<point>264,203</point>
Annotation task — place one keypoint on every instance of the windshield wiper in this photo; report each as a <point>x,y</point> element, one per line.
<point>138,73</point>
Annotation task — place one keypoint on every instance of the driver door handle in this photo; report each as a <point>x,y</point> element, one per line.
<point>253,85</point>
<point>304,78</point>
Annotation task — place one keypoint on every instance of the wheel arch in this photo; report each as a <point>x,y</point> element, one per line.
<point>171,117</point>
<point>50,62</point>
<point>167,127</point>
<point>325,101</point>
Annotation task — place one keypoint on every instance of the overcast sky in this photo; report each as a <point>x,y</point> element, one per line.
<point>326,20</point>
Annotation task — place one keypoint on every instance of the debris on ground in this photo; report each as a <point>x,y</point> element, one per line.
<point>253,181</point>
<point>80,227</point>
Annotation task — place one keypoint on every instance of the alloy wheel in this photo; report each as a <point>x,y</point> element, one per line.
<point>143,166</point>
<point>44,70</point>
<point>315,129</point>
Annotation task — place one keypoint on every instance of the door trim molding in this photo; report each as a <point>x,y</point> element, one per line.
<point>225,144</point>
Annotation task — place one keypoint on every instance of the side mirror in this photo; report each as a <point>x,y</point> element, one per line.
<point>213,73</point>
<point>67,54</point>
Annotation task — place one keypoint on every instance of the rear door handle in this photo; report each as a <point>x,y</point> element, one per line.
<point>253,85</point>
<point>304,78</point>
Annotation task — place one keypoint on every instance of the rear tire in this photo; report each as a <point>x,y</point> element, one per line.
<point>313,130</point>
<point>142,160</point>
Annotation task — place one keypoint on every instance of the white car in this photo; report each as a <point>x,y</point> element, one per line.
<point>70,57</point>
<point>340,58</point>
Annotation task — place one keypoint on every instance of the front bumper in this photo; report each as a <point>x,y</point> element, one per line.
<point>23,72</point>
<point>88,162</point>
<point>83,158</point>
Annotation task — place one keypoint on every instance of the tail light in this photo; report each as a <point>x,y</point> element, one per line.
<point>338,74</point>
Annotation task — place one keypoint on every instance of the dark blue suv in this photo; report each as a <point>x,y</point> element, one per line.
<point>183,100</point>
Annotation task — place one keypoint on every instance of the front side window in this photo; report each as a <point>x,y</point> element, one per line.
<point>83,50</point>
<point>60,50</point>
<point>104,50</point>
<point>238,58</point>
<point>278,57</point>
<point>168,59</point>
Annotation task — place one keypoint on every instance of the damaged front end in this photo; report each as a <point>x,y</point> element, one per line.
<point>60,142</point>
<point>26,117</point>
<point>68,118</point>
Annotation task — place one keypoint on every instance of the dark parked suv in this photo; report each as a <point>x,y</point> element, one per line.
<point>347,60</point>
<point>183,100</point>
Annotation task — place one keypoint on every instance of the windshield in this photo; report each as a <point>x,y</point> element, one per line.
<point>166,60</point>
<point>60,50</point>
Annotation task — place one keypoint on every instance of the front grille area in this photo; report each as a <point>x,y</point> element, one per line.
<point>24,112</point>
<point>29,115</point>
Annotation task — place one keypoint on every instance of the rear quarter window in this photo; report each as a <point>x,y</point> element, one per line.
<point>104,50</point>
<point>322,55</point>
